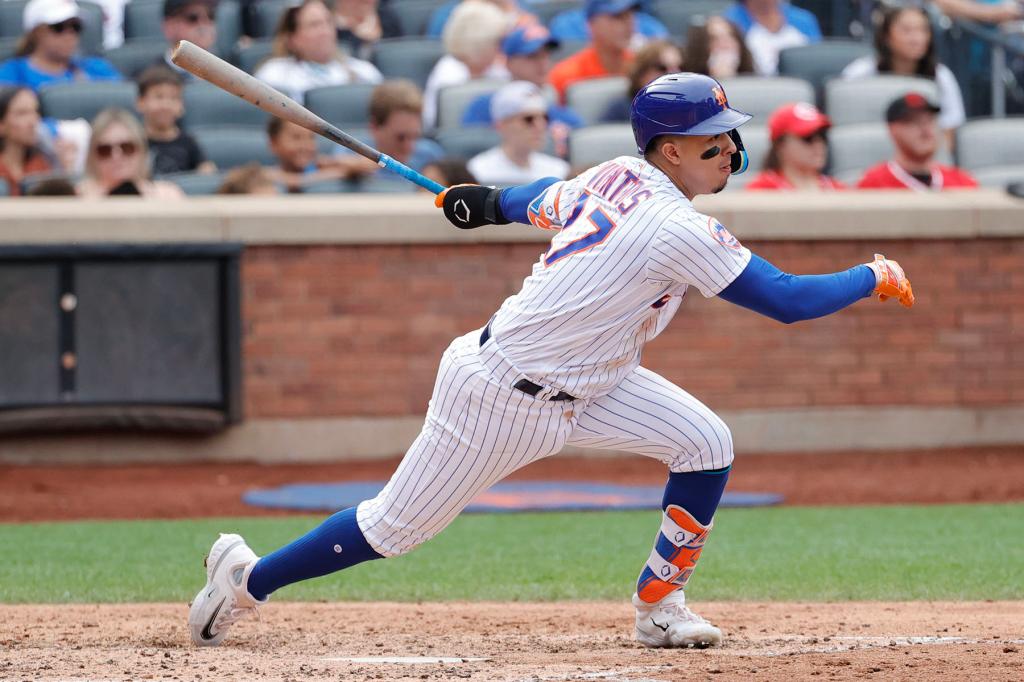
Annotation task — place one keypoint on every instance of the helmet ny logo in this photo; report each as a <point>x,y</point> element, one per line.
<point>719,96</point>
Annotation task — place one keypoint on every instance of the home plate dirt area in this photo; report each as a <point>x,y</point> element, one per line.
<point>516,641</point>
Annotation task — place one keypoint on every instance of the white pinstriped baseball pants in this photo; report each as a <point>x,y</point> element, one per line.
<point>479,429</point>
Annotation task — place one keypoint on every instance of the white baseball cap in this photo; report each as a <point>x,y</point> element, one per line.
<point>49,12</point>
<point>519,97</point>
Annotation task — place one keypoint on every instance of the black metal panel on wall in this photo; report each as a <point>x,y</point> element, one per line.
<point>127,335</point>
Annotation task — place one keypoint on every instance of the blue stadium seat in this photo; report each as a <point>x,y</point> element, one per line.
<point>759,96</point>
<point>91,41</point>
<point>548,10</point>
<point>988,142</point>
<point>7,46</point>
<point>268,13</point>
<point>85,99</point>
<point>855,148</point>
<point>596,144</point>
<point>455,99</point>
<point>343,105</point>
<point>411,58</point>
<point>249,58</point>
<point>11,12</point>
<point>206,104</point>
<point>133,56</point>
<point>679,15</point>
<point>864,100</point>
<point>143,19</point>
<point>229,27</point>
<point>233,146</point>
<point>592,98</point>
<point>413,14</point>
<point>818,62</point>
<point>466,143</point>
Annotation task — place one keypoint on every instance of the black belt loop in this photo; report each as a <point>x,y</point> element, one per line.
<point>525,385</point>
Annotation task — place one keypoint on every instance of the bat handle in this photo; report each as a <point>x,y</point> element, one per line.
<point>409,174</point>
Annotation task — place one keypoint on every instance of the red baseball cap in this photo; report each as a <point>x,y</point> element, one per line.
<point>800,119</point>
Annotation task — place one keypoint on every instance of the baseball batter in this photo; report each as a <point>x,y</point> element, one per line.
<point>559,363</point>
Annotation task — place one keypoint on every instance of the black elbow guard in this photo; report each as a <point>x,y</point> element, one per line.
<point>469,206</point>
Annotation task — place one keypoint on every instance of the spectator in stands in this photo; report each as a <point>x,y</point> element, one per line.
<point>905,46</point>
<point>717,49</point>
<point>449,171</point>
<point>160,104</point>
<point>516,13</point>
<point>799,150</point>
<point>985,11</point>
<point>117,161</point>
<point>52,187</point>
<point>306,54</point>
<point>520,114</point>
<point>527,51</point>
<point>914,130</point>
<point>653,60</point>
<point>191,20</point>
<point>611,25</point>
<point>770,26</point>
<point>46,52</point>
<point>396,125</point>
<point>298,163</point>
<point>362,23</point>
<point>472,39</point>
<point>572,25</point>
<point>19,138</point>
<point>248,179</point>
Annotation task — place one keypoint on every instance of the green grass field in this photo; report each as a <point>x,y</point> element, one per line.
<point>830,554</point>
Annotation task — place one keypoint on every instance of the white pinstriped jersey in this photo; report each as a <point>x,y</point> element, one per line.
<point>628,246</point>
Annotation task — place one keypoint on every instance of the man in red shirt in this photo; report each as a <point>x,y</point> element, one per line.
<point>915,134</point>
<point>611,29</point>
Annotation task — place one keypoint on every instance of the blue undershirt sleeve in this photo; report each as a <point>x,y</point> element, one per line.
<point>516,200</point>
<point>765,289</point>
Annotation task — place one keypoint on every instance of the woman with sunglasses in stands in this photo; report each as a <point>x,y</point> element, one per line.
<point>799,151</point>
<point>46,53</point>
<point>653,60</point>
<point>118,160</point>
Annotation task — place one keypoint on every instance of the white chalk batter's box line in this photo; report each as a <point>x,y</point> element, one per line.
<point>859,642</point>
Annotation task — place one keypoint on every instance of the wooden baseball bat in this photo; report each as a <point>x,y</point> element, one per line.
<point>198,61</point>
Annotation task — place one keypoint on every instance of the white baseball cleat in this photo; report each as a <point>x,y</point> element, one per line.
<point>224,599</point>
<point>670,623</point>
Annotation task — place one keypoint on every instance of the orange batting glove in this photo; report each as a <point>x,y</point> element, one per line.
<point>891,281</point>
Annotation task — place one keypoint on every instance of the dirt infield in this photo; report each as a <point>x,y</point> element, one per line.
<point>193,490</point>
<point>529,642</point>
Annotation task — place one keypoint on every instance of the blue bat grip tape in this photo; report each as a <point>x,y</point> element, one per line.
<point>386,161</point>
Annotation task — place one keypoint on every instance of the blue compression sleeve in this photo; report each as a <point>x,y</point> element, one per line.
<point>515,201</point>
<point>765,289</point>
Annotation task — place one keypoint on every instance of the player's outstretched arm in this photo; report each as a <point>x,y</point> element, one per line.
<point>470,206</point>
<point>765,289</point>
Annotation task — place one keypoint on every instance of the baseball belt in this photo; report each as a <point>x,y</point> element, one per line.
<point>525,385</point>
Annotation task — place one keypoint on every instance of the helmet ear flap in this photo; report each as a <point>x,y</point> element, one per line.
<point>740,161</point>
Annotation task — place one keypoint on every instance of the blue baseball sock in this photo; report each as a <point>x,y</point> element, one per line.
<point>335,544</point>
<point>672,562</point>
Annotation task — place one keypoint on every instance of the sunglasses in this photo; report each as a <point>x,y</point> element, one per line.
<point>74,25</point>
<point>530,119</point>
<point>105,151</point>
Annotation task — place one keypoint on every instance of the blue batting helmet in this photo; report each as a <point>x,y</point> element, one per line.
<point>686,104</point>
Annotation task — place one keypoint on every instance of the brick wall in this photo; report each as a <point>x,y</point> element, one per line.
<point>358,330</point>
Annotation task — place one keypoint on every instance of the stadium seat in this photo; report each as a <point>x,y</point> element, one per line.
<point>413,15</point>
<point>548,10</point>
<point>596,144</point>
<point>135,55</point>
<point>249,58</point>
<point>998,177</point>
<point>91,41</point>
<point>757,144</point>
<point>759,96</point>
<point>991,142</point>
<point>466,143</point>
<point>85,99</point>
<point>196,184</point>
<point>11,12</point>
<point>679,15</point>
<point>855,148</point>
<point>591,98</point>
<point>864,100</point>
<point>233,146</point>
<point>818,62</point>
<point>229,27</point>
<point>342,105</point>
<point>143,19</point>
<point>411,58</point>
<point>7,46</point>
<point>268,13</point>
<point>454,100</point>
<point>206,104</point>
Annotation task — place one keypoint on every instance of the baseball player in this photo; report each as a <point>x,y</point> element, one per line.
<point>559,363</point>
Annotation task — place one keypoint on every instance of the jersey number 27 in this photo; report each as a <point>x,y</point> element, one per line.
<point>603,226</point>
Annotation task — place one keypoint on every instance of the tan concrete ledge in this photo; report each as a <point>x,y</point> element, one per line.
<point>412,219</point>
<point>312,440</point>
